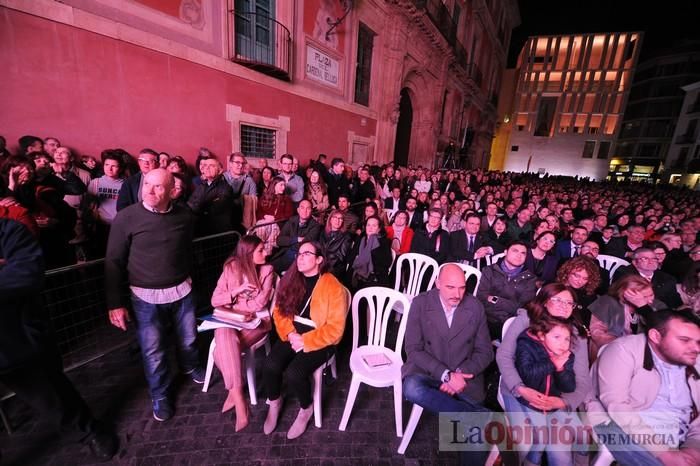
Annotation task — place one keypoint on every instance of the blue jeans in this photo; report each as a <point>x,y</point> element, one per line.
<point>151,320</point>
<point>424,391</point>
<point>518,412</point>
<point>632,454</point>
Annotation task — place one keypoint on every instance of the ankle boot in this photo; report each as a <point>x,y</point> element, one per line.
<point>300,423</point>
<point>273,415</point>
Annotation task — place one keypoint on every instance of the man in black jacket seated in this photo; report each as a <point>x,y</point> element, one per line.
<point>30,363</point>
<point>645,263</point>
<point>432,241</point>
<point>300,228</point>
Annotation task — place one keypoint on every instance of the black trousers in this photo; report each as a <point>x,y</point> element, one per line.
<point>299,369</point>
<point>43,385</point>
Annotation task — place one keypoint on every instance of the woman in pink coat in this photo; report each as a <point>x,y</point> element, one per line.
<point>245,287</point>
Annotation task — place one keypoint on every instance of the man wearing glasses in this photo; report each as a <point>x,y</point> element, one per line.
<point>130,192</point>
<point>235,175</point>
<point>645,264</point>
<point>295,185</point>
<point>241,184</point>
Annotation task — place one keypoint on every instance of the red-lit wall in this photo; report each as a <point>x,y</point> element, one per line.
<point>95,92</point>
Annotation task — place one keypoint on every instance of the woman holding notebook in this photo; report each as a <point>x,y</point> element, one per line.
<point>309,314</point>
<point>244,288</point>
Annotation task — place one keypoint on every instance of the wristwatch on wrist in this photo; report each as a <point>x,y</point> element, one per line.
<point>446,376</point>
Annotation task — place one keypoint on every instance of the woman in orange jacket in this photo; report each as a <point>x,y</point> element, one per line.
<point>310,319</point>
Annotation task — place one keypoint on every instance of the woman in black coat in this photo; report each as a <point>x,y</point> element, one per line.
<point>336,243</point>
<point>371,257</point>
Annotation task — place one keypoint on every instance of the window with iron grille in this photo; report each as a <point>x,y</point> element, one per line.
<point>365,42</point>
<point>258,142</point>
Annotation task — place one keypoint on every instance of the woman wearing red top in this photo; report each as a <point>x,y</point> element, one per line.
<point>274,206</point>
<point>399,233</point>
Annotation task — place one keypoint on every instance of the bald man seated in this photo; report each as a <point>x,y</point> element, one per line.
<point>448,348</point>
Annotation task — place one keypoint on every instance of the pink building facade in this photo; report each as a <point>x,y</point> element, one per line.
<point>367,81</point>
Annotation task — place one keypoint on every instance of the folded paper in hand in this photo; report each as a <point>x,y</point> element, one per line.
<point>376,360</point>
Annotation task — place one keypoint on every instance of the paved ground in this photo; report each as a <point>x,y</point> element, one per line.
<point>199,434</point>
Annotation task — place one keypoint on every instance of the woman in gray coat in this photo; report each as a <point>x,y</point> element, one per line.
<point>557,300</point>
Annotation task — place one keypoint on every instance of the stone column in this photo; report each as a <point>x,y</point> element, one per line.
<point>389,89</point>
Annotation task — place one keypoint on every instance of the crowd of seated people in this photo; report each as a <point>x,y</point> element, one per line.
<point>304,222</point>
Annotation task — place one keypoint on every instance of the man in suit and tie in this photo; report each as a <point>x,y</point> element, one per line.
<point>394,203</point>
<point>467,245</point>
<point>448,348</point>
<point>568,248</point>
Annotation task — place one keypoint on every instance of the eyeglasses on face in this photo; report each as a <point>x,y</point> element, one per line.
<point>147,160</point>
<point>647,259</point>
<point>307,254</point>
<point>562,302</point>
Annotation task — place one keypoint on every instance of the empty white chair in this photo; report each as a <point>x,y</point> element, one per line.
<point>418,266</point>
<point>469,271</point>
<point>318,377</point>
<point>380,302</point>
<point>611,263</point>
<point>493,258</point>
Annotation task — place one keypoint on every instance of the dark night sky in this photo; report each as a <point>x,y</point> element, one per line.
<point>663,22</point>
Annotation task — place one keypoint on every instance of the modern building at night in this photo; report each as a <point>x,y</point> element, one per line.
<point>682,164</point>
<point>643,149</point>
<point>371,80</point>
<point>569,92</point>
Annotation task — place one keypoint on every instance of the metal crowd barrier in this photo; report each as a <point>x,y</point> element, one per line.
<point>74,299</point>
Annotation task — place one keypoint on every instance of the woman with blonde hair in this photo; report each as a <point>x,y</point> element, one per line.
<point>244,288</point>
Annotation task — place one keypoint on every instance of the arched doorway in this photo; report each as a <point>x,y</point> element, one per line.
<point>403,129</point>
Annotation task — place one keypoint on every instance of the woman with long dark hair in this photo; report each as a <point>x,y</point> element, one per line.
<point>274,206</point>
<point>540,258</point>
<point>244,288</point>
<point>371,256</point>
<point>310,312</point>
<point>317,193</point>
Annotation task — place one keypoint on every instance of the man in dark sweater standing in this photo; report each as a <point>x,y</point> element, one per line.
<point>149,246</point>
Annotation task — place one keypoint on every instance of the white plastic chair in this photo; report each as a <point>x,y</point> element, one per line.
<point>499,395</point>
<point>418,267</point>
<point>318,377</point>
<point>611,263</point>
<point>469,271</point>
<point>248,357</point>
<point>380,302</point>
<point>493,258</point>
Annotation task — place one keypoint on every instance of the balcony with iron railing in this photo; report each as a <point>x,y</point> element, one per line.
<point>440,16</point>
<point>261,43</point>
